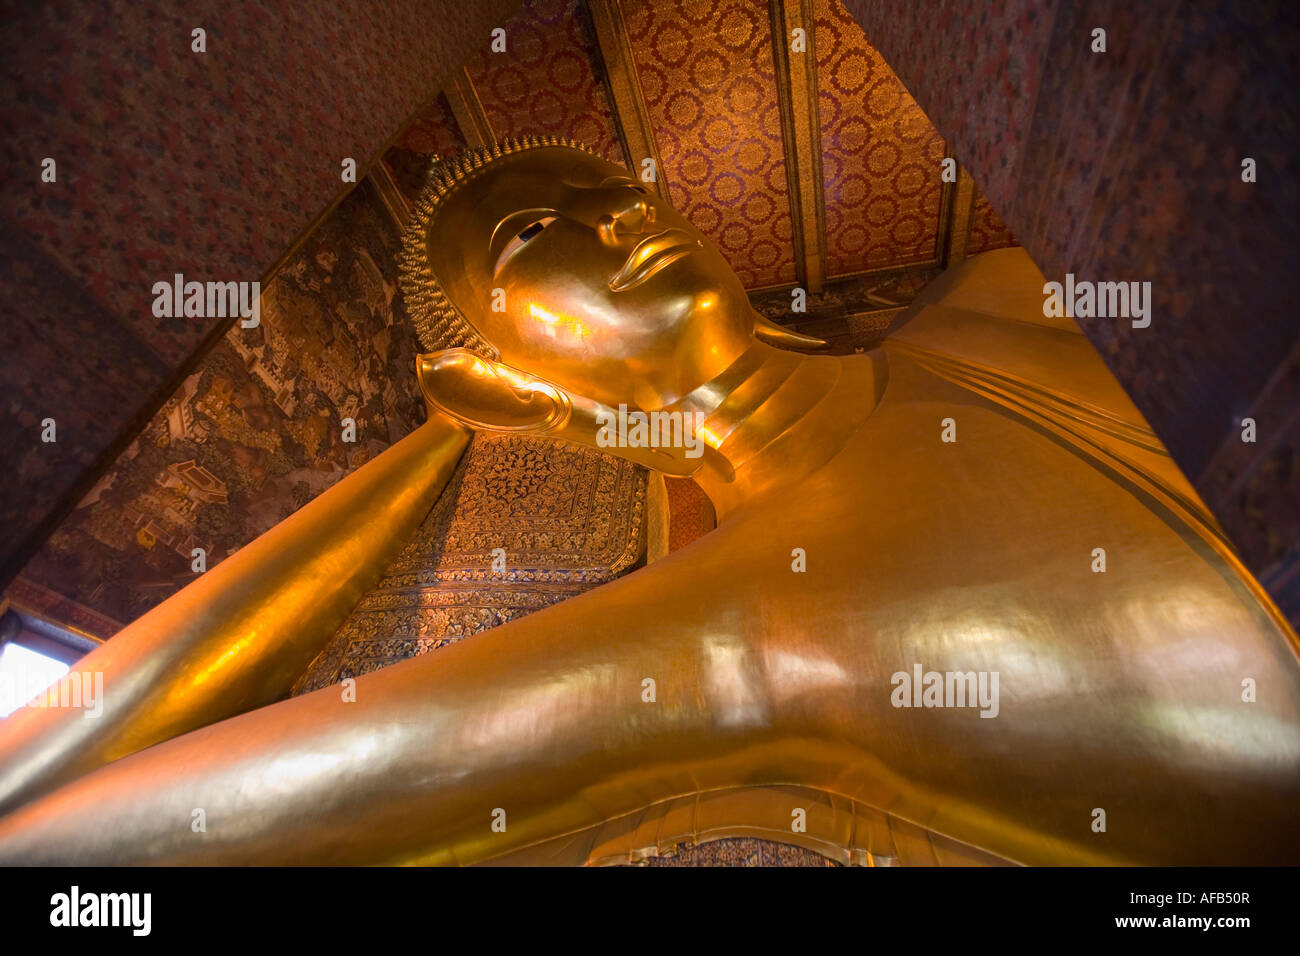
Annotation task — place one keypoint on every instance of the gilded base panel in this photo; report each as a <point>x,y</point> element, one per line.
<point>754,826</point>
<point>567,519</point>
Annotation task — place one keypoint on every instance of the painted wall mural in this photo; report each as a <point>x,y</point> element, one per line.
<point>256,431</point>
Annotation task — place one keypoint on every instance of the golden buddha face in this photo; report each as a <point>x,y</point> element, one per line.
<point>580,275</point>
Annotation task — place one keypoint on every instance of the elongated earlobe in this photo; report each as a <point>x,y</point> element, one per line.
<point>771,333</point>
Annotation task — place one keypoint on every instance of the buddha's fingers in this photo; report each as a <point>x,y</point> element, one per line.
<point>237,637</point>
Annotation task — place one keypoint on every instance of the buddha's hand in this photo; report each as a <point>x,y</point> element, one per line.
<point>489,396</point>
<point>486,395</point>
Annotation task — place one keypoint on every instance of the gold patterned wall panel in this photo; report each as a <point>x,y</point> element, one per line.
<point>547,79</point>
<point>709,81</point>
<point>987,230</point>
<point>692,514</point>
<point>880,154</point>
<point>568,518</point>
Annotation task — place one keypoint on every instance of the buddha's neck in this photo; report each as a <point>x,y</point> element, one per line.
<point>772,417</point>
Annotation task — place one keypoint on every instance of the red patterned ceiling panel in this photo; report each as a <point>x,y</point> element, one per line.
<point>709,83</point>
<point>433,133</point>
<point>880,154</point>
<point>987,230</point>
<point>546,81</point>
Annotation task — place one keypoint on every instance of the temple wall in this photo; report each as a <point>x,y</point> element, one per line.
<point>251,435</point>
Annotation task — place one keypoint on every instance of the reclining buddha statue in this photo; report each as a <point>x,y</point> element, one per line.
<point>959,606</point>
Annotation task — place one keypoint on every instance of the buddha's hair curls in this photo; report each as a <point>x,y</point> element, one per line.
<point>438,323</point>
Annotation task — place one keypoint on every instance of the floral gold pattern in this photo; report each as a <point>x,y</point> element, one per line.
<point>709,82</point>
<point>880,154</point>
<point>568,518</point>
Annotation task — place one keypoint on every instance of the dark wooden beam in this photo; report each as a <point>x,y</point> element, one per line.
<point>468,110</point>
<point>796,87</point>
<point>955,219</point>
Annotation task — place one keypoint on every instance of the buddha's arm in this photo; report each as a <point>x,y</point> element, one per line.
<point>762,679</point>
<point>237,637</point>
<point>543,718</point>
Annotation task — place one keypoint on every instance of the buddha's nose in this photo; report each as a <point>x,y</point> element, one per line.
<point>627,214</point>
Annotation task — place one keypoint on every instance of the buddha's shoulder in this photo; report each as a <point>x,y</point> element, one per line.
<point>951,461</point>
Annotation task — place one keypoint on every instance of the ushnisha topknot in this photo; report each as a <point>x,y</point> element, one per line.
<point>438,323</point>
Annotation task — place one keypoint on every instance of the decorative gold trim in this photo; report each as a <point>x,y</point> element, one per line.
<point>884,272</point>
<point>27,596</point>
<point>846,831</point>
<point>955,218</point>
<point>468,110</point>
<point>390,197</point>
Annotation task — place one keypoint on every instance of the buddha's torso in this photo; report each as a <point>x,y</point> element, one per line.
<point>1118,689</point>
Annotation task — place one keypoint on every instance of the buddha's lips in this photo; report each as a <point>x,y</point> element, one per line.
<point>651,255</point>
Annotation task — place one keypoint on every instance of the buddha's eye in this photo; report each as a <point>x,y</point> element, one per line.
<point>515,244</point>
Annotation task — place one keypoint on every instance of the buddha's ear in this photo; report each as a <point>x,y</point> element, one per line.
<point>489,396</point>
<point>783,338</point>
